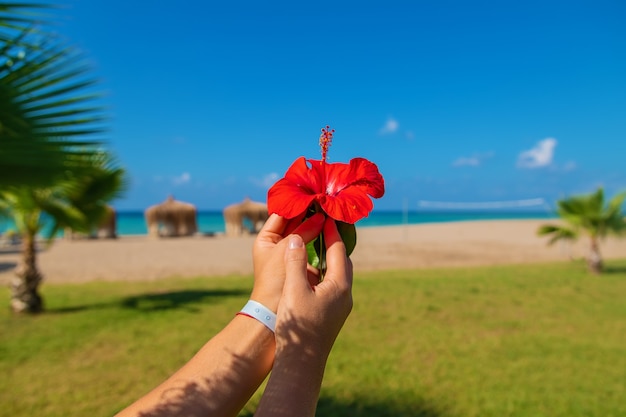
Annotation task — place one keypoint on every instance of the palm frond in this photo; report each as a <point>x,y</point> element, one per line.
<point>616,220</point>
<point>90,191</point>
<point>557,233</point>
<point>49,113</point>
<point>591,214</point>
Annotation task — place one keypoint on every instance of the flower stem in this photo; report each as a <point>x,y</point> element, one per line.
<point>322,257</point>
<point>318,245</point>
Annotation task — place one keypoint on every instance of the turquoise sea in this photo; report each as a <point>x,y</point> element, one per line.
<point>133,222</point>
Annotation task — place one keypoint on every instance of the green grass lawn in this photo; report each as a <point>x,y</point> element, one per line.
<point>539,340</point>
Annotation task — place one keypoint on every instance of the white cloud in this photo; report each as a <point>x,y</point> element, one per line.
<point>391,126</point>
<point>266,181</point>
<point>183,178</point>
<point>472,161</point>
<point>539,156</point>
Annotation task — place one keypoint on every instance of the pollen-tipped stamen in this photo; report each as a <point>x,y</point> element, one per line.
<point>325,140</point>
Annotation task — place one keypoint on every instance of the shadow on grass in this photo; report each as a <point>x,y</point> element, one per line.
<point>158,301</point>
<point>614,266</point>
<point>614,269</point>
<point>177,299</point>
<point>332,407</point>
<point>611,266</point>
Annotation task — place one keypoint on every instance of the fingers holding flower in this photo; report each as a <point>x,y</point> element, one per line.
<point>268,250</point>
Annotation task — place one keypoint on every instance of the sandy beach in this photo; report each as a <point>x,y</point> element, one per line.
<point>379,248</point>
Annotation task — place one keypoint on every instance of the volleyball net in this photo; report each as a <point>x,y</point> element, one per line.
<point>483,205</point>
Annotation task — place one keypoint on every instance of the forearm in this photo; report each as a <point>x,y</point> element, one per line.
<point>294,385</point>
<point>219,379</point>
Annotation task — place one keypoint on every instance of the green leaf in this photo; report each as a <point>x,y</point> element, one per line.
<point>316,251</point>
<point>348,235</point>
<point>311,251</point>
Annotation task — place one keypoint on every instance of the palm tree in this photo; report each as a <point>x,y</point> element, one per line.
<point>47,119</point>
<point>78,203</point>
<point>53,170</point>
<point>588,215</point>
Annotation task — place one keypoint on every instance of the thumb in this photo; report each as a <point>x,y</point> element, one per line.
<point>295,265</point>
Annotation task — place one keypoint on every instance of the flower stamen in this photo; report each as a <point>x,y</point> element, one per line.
<point>325,140</point>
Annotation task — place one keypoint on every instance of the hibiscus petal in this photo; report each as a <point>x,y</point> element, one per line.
<point>292,195</point>
<point>368,177</point>
<point>348,187</point>
<point>305,176</point>
<point>349,206</point>
<point>288,199</point>
<point>338,176</point>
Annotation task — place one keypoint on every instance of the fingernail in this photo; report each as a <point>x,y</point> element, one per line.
<point>295,242</point>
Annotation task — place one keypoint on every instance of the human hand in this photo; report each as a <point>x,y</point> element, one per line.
<point>268,254</point>
<point>311,313</point>
<point>310,316</point>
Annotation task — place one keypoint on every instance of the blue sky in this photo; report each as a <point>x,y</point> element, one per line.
<point>456,101</point>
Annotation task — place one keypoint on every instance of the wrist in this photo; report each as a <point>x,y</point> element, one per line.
<point>260,313</point>
<point>296,350</point>
<point>267,299</point>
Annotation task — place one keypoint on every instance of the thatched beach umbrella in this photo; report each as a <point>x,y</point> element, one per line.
<point>236,214</point>
<point>105,229</point>
<point>171,218</point>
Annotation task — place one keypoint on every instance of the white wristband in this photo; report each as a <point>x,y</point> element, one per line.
<point>261,313</point>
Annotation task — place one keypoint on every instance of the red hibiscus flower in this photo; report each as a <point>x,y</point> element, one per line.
<point>342,191</point>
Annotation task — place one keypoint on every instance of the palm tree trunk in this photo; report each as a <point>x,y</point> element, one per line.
<point>594,261</point>
<point>24,295</point>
